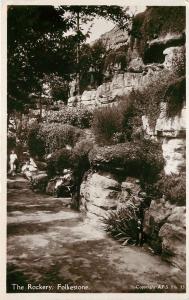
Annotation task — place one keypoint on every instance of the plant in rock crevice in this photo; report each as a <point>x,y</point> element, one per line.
<point>123,225</point>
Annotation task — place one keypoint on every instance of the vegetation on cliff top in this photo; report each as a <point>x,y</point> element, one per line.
<point>157,21</point>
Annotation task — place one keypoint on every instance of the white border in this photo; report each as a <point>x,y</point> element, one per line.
<point>3,138</point>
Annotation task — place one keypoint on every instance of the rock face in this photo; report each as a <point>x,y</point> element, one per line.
<point>107,93</point>
<point>165,228</point>
<point>172,54</point>
<point>99,193</point>
<point>114,38</point>
<point>171,132</point>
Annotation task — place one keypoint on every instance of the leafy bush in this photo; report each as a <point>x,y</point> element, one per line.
<point>114,124</point>
<point>35,143</point>
<point>58,136</point>
<point>118,56</point>
<point>11,143</point>
<point>146,101</point>
<point>80,164</point>
<point>60,160</point>
<point>107,121</point>
<point>142,159</point>
<point>175,96</point>
<point>173,187</point>
<point>49,137</point>
<point>123,225</point>
<point>179,62</point>
<point>155,22</point>
<point>79,117</point>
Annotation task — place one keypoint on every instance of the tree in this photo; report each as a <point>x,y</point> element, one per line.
<point>37,46</point>
<point>83,14</point>
<point>34,36</point>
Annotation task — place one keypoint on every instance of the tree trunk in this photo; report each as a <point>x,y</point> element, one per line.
<point>78,57</point>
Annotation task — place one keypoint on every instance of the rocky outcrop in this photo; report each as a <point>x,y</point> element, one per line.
<point>165,229</point>
<point>114,38</point>
<point>171,132</point>
<point>173,56</point>
<point>120,85</point>
<point>99,193</point>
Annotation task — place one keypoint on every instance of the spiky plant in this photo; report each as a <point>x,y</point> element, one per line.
<point>123,224</point>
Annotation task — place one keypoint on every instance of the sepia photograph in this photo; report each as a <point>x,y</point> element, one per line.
<point>96,148</point>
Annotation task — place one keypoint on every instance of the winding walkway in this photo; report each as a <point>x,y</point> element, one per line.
<point>51,248</point>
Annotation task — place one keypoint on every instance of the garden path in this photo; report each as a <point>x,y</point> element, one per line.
<point>50,244</point>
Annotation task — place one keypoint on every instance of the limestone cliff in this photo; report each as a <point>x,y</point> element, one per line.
<point>114,38</point>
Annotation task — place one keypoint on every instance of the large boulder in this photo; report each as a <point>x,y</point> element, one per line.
<point>164,227</point>
<point>99,193</point>
<point>173,235</point>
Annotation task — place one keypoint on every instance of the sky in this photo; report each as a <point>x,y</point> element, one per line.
<point>101,25</point>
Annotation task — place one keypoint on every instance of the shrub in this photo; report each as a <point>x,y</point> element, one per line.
<point>123,225</point>
<point>47,138</point>
<point>58,136</point>
<point>11,143</point>
<point>173,187</point>
<point>60,160</point>
<point>80,164</point>
<point>175,96</point>
<point>107,121</point>
<point>118,56</point>
<point>155,22</point>
<point>179,62</point>
<point>79,117</point>
<point>114,124</point>
<point>142,159</point>
<point>146,101</point>
<point>35,143</point>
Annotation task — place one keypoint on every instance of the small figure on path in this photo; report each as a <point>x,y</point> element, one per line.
<point>13,162</point>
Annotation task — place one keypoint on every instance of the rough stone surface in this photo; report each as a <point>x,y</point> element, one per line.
<point>99,193</point>
<point>164,225</point>
<point>172,54</point>
<point>173,234</point>
<point>114,38</point>
<point>107,93</point>
<point>171,132</point>
<point>174,154</point>
<point>170,127</point>
<point>130,193</point>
